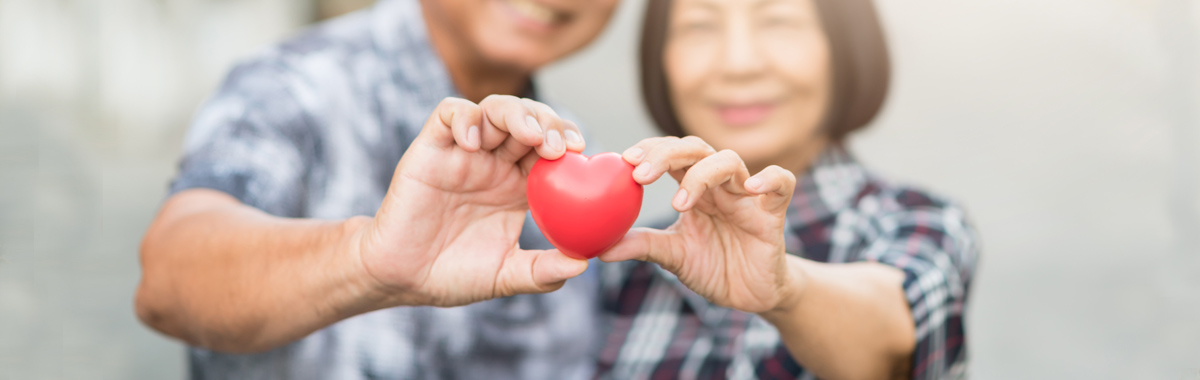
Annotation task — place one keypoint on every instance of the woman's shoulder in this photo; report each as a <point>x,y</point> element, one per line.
<point>902,209</point>
<point>901,197</point>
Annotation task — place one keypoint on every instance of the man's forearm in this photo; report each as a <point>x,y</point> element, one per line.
<point>226,276</point>
<point>848,321</point>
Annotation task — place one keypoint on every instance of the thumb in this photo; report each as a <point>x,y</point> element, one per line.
<point>536,272</point>
<point>645,244</point>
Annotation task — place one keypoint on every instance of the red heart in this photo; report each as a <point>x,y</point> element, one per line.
<point>584,205</point>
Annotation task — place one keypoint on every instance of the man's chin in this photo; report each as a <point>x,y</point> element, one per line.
<point>521,57</point>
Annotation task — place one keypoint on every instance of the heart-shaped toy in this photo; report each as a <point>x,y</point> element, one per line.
<point>583,205</point>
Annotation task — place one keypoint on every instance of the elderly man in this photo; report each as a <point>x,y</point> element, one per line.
<point>344,188</point>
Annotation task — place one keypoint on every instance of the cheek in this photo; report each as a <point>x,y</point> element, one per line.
<point>688,64</point>
<point>688,67</point>
<point>802,63</point>
<point>586,27</point>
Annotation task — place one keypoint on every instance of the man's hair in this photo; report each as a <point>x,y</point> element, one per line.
<point>859,63</point>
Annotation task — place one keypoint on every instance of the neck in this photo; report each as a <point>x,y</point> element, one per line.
<point>474,77</point>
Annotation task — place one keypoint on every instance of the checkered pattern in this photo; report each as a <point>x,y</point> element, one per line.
<point>840,213</point>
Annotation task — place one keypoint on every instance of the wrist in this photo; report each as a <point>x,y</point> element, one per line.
<point>796,283</point>
<point>366,291</point>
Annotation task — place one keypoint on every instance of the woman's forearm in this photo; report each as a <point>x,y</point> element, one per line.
<point>847,321</point>
<point>226,276</point>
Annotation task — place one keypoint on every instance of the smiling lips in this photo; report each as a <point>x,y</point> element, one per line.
<point>744,115</point>
<point>533,14</point>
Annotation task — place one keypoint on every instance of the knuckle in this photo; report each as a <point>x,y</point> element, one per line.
<point>541,107</point>
<point>452,102</point>
<point>691,139</point>
<point>498,99</point>
<point>728,156</point>
<point>531,105</point>
<point>649,145</point>
<point>675,146</point>
<point>776,171</point>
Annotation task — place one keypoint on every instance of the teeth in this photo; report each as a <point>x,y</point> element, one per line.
<point>534,11</point>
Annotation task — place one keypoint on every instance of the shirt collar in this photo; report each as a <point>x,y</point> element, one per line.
<point>402,37</point>
<point>828,186</point>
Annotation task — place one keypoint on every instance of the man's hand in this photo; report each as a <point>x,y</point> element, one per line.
<point>226,276</point>
<point>447,231</point>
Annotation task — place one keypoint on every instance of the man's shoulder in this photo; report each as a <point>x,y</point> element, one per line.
<point>337,38</point>
<point>314,51</point>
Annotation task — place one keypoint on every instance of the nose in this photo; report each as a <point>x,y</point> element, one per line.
<point>742,57</point>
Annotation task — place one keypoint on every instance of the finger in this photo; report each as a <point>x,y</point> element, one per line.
<point>637,153</point>
<point>775,185</point>
<point>569,137</point>
<point>722,169</point>
<point>526,163</point>
<point>574,136</point>
<point>553,142</point>
<point>514,120</point>
<point>493,135</point>
<point>455,121</point>
<point>526,272</point>
<point>645,244</point>
<point>513,150</point>
<point>669,155</point>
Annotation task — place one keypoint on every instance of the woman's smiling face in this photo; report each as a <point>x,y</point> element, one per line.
<point>750,75</point>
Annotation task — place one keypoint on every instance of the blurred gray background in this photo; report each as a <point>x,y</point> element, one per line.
<point>1069,128</point>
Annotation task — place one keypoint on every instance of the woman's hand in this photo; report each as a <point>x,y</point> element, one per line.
<point>446,233</point>
<point>728,243</point>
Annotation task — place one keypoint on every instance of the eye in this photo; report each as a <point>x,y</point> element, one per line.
<point>781,21</point>
<point>698,26</point>
<point>697,20</point>
<point>783,14</point>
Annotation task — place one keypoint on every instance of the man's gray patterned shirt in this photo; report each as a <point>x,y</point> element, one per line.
<point>313,128</point>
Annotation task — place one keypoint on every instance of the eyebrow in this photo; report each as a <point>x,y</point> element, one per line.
<point>708,4</point>
<point>764,3</point>
<point>712,4</point>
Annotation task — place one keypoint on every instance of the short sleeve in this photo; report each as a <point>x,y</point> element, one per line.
<point>936,247</point>
<point>252,140</point>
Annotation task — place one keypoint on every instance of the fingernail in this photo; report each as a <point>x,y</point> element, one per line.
<point>635,153</point>
<point>554,140</point>
<point>754,183</point>
<point>680,198</point>
<point>574,137</point>
<point>473,136</point>
<point>533,124</point>
<point>642,170</point>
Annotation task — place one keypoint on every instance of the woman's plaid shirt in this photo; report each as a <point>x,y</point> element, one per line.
<point>840,213</point>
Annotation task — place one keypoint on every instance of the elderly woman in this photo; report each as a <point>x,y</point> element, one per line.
<point>789,259</point>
